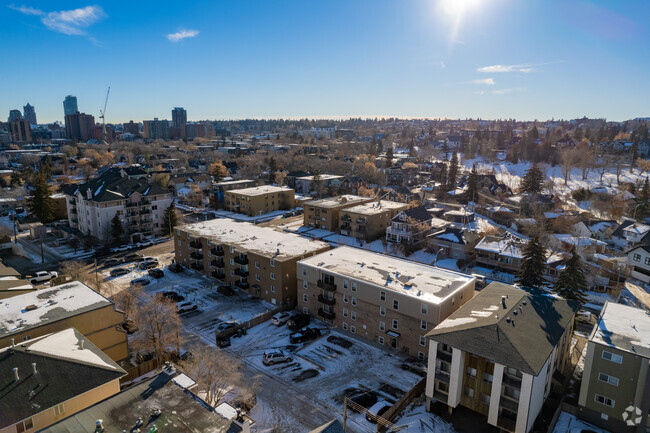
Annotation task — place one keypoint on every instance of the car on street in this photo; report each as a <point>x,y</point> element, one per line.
<point>175,268</point>
<point>226,290</point>
<point>365,399</point>
<point>43,276</point>
<point>184,307</point>
<point>148,265</point>
<point>304,335</point>
<point>415,366</point>
<point>112,262</point>
<point>275,357</point>
<point>171,296</point>
<point>142,281</point>
<point>119,271</point>
<point>156,273</point>
<point>298,321</point>
<point>133,257</point>
<point>120,248</point>
<point>280,318</point>
<point>146,243</point>
<point>377,409</point>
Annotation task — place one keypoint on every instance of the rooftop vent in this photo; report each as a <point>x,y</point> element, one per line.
<point>31,307</point>
<point>99,426</point>
<point>508,319</point>
<point>16,376</point>
<point>503,301</point>
<point>515,312</point>
<point>525,303</point>
<point>81,343</point>
<point>34,368</point>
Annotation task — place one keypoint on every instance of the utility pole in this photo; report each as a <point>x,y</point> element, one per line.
<point>42,255</point>
<point>345,413</point>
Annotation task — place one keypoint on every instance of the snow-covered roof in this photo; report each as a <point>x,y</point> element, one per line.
<point>503,246</point>
<point>322,177</point>
<point>184,381</point>
<point>47,305</point>
<point>623,327</point>
<point>421,281</point>
<point>376,207</point>
<point>260,190</point>
<point>341,200</point>
<point>253,238</point>
<point>578,241</point>
<point>637,228</point>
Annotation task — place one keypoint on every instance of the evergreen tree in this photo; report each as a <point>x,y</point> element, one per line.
<point>273,167</point>
<point>15,179</point>
<point>533,264</point>
<point>389,156</point>
<point>452,174</point>
<point>571,281</point>
<point>116,230</point>
<point>317,182</point>
<point>170,220</point>
<point>443,174</point>
<point>412,151</point>
<point>472,183</point>
<point>643,199</point>
<point>40,203</point>
<point>533,180</point>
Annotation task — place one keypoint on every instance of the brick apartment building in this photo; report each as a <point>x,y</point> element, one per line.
<point>259,200</point>
<point>369,221</point>
<point>391,301</point>
<point>324,213</point>
<point>258,260</point>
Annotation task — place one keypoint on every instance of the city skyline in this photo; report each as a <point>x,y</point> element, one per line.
<point>424,59</point>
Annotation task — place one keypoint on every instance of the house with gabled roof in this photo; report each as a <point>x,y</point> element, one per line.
<point>409,226</point>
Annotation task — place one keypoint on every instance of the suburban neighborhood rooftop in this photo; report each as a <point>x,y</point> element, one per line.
<point>625,328</point>
<point>259,190</point>
<point>337,201</point>
<point>375,207</point>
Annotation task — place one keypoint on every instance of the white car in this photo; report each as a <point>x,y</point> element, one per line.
<point>43,276</point>
<point>280,318</point>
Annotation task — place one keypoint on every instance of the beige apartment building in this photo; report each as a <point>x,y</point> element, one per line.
<point>391,301</point>
<point>259,200</point>
<point>369,221</point>
<point>324,213</point>
<point>258,260</point>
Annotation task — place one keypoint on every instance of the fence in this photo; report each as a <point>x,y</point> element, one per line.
<point>401,404</point>
<point>143,368</point>
<point>263,317</point>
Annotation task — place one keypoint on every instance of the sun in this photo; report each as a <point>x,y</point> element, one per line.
<point>458,7</point>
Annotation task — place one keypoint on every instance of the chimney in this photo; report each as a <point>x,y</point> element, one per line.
<point>89,194</point>
<point>12,343</point>
<point>99,424</point>
<point>82,344</point>
<point>34,368</point>
<point>503,301</point>
<point>16,376</point>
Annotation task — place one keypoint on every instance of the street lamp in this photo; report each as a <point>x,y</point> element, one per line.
<point>437,252</point>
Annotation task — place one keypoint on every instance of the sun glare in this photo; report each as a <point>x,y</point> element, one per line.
<point>457,7</point>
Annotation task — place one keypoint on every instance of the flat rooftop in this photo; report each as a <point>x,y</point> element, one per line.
<point>428,283</point>
<point>322,177</point>
<point>625,328</point>
<point>374,208</point>
<point>47,305</point>
<point>339,200</point>
<point>250,237</point>
<point>260,190</point>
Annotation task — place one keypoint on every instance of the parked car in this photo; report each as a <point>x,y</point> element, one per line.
<point>304,335</point>
<point>224,326</point>
<point>120,248</point>
<point>415,366</point>
<point>112,262</point>
<point>275,357</point>
<point>298,321</point>
<point>156,273</point>
<point>146,243</point>
<point>148,265</point>
<point>142,281</point>
<point>119,271</point>
<point>172,296</point>
<point>297,212</point>
<point>364,398</point>
<point>133,257</point>
<point>226,290</point>
<point>377,409</point>
<point>184,307</point>
<point>175,268</point>
<point>43,276</point>
<point>280,318</point>
<point>287,215</point>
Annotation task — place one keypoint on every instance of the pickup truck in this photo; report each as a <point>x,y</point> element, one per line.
<point>43,276</point>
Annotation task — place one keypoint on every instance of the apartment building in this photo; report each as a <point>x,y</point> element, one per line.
<point>323,184</point>
<point>118,191</point>
<point>497,354</point>
<point>52,377</point>
<point>391,301</point>
<point>369,221</point>
<point>615,389</point>
<point>324,213</point>
<point>258,260</point>
<point>25,317</point>
<point>259,200</point>
<point>638,261</point>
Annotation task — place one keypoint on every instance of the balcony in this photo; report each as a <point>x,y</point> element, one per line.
<point>197,245</point>
<point>511,380</point>
<point>326,314</point>
<point>219,275</point>
<point>145,202</point>
<point>506,424</point>
<point>131,204</point>
<point>75,220</point>
<point>73,211</point>
<point>132,214</point>
<point>216,252</point>
<point>146,221</point>
<point>444,356</point>
<point>398,232</point>
<point>243,286</point>
<point>442,376</point>
<point>242,273</point>
<point>197,266</point>
<point>145,211</point>
<point>196,256</point>
<point>327,301</point>
<point>72,202</point>
<point>326,286</point>
<point>241,260</point>
<point>217,263</point>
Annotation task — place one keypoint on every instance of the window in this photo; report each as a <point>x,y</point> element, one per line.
<point>425,308</point>
<point>612,357</point>
<point>637,257</point>
<point>345,284</point>
<point>178,243</point>
<point>423,340</point>
<point>344,326</point>
<point>608,379</point>
<point>232,250</point>
<point>304,284</point>
<point>485,399</point>
<point>257,277</point>
<point>59,409</point>
<point>272,263</point>
<point>421,356</point>
<point>353,329</point>
<point>395,323</point>
<point>487,377</point>
<point>395,304</point>
<point>471,372</point>
<point>423,325</point>
<point>22,426</point>
<point>382,310</point>
<point>647,260</point>
<point>232,262</point>
<point>345,298</point>
<point>232,273</point>
<point>381,340</point>
<point>305,298</point>
<point>272,287</point>
<point>257,265</point>
<point>469,392</point>
<point>178,232</point>
<point>354,286</point>
<point>345,312</point>
<point>382,326</point>
<point>273,275</point>
<point>382,296</point>
<point>354,301</point>
<point>353,315</point>
<point>604,400</point>
<point>304,272</point>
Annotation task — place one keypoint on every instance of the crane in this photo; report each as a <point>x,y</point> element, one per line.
<point>103,113</point>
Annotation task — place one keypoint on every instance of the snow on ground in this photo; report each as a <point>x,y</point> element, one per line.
<point>636,294</point>
<point>448,264</point>
<point>417,420</point>
<point>568,423</point>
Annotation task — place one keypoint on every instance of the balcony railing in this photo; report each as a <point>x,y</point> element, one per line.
<point>74,211</point>
<point>132,204</point>
<point>444,356</point>
<point>506,424</point>
<point>146,221</point>
<point>219,275</point>
<point>241,285</point>
<point>511,380</point>
<point>216,252</point>
<point>145,211</point>
<point>326,314</point>
<point>442,376</point>
<point>197,266</point>
<point>196,256</point>
<point>241,260</point>
<point>326,286</point>
<point>144,202</point>
<point>196,245</point>
<point>217,263</point>
<point>72,202</point>
<point>326,301</point>
<point>240,272</point>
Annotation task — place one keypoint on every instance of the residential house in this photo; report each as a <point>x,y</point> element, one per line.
<point>410,226</point>
<point>615,387</point>
<point>182,181</point>
<point>326,184</point>
<point>638,262</point>
<point>368,222</point>
<point>390,301</point>
<point>454,243</point>
<point>497,354</point>
<point>259,200</point>
<point>501,214</point>
<point>219,189</point>
<point>11,283</point>
<point>631,233</point>
<point>324,213</point>
<point>51,377</point>
<point>30,315</point>
<point>597,229</point>
<point>258,260</point>
<point>351,185</point>
<point>293,175</point>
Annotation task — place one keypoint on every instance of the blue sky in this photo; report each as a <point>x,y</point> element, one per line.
<point>525,59</point>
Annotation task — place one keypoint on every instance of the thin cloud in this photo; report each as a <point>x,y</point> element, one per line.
<point>486,81</point>
<point>182,34</point>
<point>506,91</point>
<point>505,68</point>
<point>69,22</point>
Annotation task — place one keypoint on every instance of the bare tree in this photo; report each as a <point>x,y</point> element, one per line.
<point>280,177</point>
<point>619,168</point>
<point>601,167</point>
<point>74,269</point>
<point>126,301</point>
<point>586,161</point>
<point>567,159</point>
<point>158,327</point>
<point>214,372</point>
